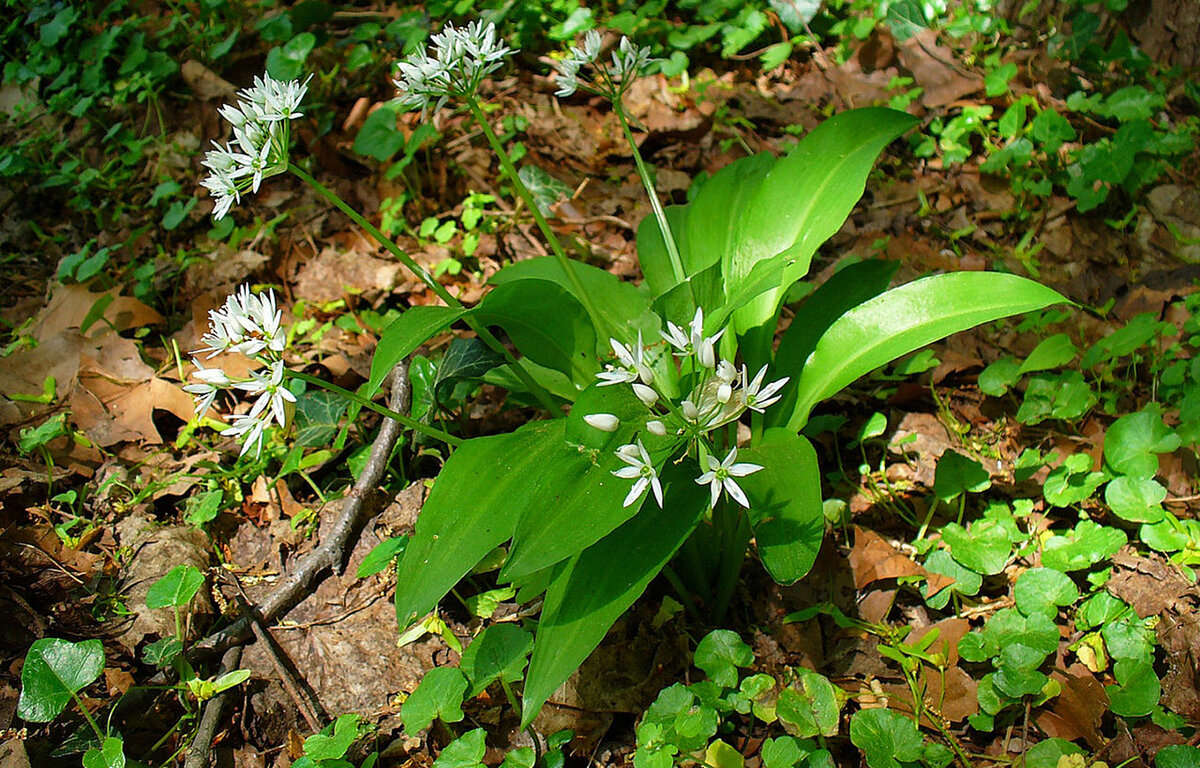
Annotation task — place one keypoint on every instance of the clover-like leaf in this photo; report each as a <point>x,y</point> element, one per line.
<point>176,589</point>
<point>887,738</point>
<point>720,654</point>
<point>1049,753</point>
<point>54,670</point>
<point>1137,691</point>
<point>966,581</point>
<point>985,549</point>
<point>1083,547</point>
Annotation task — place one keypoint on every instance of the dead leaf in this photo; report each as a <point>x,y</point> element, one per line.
<point>1179,635</point>
<point>1150,584</point>
<point>932,68</point>
<point>205,83</point>
<point>117,680</point>
<point>873,559</point>
<point>1077,711</point>
<point>332,274</point>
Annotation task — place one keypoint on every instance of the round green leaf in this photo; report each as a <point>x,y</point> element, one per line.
<point>1137,691</point>
<point>887,738</point>
<point>1136,499</point>
<point>720,654</point>
<point>1133,440</point>
<point>54,670</point>
<point>1043,590</point>
<point>959,474</point>
<point>1046,754</point>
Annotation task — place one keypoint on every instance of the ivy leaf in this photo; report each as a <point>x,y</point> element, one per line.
<point>1041,591</point>
<point>966,581</point>
<point>887,738</point>
<point>720,654</point>
<point>176,589</point>
<point>54,670</point>
<point>439,695</point>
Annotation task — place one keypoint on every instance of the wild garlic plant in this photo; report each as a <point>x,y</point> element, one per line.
<point>705,418</point>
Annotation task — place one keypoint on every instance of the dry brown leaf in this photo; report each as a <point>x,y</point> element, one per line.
<point>932,68</point>
<point>873,559</point>
<point>1076,712</point>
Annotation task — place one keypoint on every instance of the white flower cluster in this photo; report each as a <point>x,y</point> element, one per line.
<point>250,325</point>
<point>628,61</point>
<point>261,131</point>
<point>461,58</point>
<point>721,393</point>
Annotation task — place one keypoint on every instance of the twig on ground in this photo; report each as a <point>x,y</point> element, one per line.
<point>338,541</point>
<point>302,695</point>
<point>210,719</point>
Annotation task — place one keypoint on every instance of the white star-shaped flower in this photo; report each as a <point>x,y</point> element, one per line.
<point>721,474</point>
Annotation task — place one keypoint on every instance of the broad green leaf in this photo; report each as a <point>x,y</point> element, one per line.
<point>464,752</point>
<point>846,289</point>
<point>809,707</point>
<point>547,324</point>
<point>573,499</point>
<point>438,695</point>
<point>786,511</point>
<point>985,549</point>
<point>1133,440</point>
<point>176,589</point>
<point>906,318</point>
<point>54,670</point>
<point>966,581</point>
<point>379,137</point>
<point>110,754</point>
<point>1043,591</point>
<point>465,359</point>
<point>1011,627</point>
<point>713,216</point>
<point>624,307</point>
<point>720,653</point>
<point>887,738</point>
<point>498,652</point>
<point>318,414</point>
<point>652,252</point>
<point>783,752</point>
<point>721,755</point>
<point>804,199</point>
<point>472,509</point>
<point>591,591</point>
<point>1136,499</point>
<point>402,337</point>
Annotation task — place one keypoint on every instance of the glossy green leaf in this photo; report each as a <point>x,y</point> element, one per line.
<point>472,509</point>
<point>333,746</point>
<point>381,556</point>
<point>957,474</point>
<point>547,324</point>
<point>1136,499</point>
<point>804,199</point>
<point>588,593</point>
<point>402,337</point>
<point>652,252</point>
<point>786,510</point>
<point>906,318</point>
<point>1043,591</point>
<point>846,289</point>
<point>1083,547</point>
<point>176,589</point>
<point>1052,352</point>
<point>573,499</point>
<point>1137,691</point>
<point>54,670</point>
<point>809,706</point>
<point>624,307</point>
<point>714,215</point>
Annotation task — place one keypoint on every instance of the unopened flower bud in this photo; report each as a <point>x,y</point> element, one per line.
<point>656,428</point>
<point>645,394</point>
<point>605,422</point>
<point>645,374</point>
<point>724,392</point>
<point>706,354</point>
<point>690,412</point>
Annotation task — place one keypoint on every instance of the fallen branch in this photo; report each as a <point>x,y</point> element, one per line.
<point>337,542</point>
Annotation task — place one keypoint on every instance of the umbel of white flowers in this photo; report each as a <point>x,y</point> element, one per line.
<point>628,60</point>
<point>457,61</point>
<point>261,122</point>
<point>248,324</point>
<point>721,394</point>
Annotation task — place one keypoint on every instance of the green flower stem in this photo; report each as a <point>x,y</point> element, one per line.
<point>733,528</point>
<point>479,328</point>
<point>659,214</point>
<point>88,716</point>
<point>412,424</point>
<point>526,197</point>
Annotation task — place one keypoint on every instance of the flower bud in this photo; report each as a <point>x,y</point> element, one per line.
<point>724,392</point>
<point>690,412</point>
<point>706,354</point>
<point>605,422</point>
<point>645,374</point>
<point>645,394</point>
<point>656,428</point>
<point>726,373</point>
